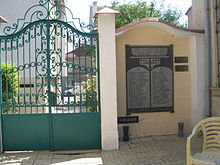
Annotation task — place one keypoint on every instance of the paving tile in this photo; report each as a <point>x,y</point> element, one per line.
<point>139,150</point>
<point>92,164</point>
<point>115,162</point>
<point>123,145</point>
<point>59,161</point>
<point>109,154</point>
<point>12,164</point>
<point>130,161</point>
<point>91,155</point>
<point>76,156</point>
<point>77,161</point>
<point>27,162</point>
<point>152,150</point>
<point>42,162</point>
<point>61,156</point>
<point>97,160</point>
<point>124,152</point>
<point>44,156</point>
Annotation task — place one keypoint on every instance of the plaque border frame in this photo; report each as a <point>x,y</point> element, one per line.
<point>151,109</point>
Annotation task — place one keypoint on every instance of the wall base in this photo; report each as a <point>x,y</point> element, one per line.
<point>215,99</point>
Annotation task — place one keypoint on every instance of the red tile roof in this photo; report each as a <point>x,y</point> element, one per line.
<point>151,19</point>
<point>188,11</point>
<point>76,53</point>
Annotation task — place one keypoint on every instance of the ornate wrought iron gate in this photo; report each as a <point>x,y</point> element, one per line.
<point>49,86</point>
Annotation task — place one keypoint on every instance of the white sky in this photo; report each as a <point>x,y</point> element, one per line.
<point>80,8</point>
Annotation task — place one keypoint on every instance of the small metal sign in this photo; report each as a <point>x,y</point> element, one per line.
<point>26,85</point>
<point>149,78</point>
<point>128,119</point>
<point>181,59</point>
<point>181,68</point>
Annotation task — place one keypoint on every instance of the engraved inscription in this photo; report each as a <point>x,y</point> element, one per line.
<point>161,82</point>
<point>138,87</point>
<point>149,51</point>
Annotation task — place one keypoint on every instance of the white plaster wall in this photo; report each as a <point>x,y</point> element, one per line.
<point>196,16</point>
<point>200,87</point>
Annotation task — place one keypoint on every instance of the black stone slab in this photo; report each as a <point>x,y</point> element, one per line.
<point>149,78</point>
<point>181,59</point>
<point>128,119</point>
<point>181,68</point>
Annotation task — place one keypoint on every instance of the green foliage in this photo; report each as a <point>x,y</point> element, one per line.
<point>10,85</point>
<point>171,15</point>
<point>132,11</point>
<point>90,95</point>
<point>91,52</point>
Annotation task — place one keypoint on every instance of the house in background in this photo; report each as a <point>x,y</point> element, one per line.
<point>79,57</point>
<point>93,9</point>
<point>28,48</point>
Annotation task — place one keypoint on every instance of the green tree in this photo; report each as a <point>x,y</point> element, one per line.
<point>89,86</point>
<point>10,85</point>
<point>90,95</point>
<point>133,11</point>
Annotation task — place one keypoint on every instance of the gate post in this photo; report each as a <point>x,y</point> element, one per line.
<point>108,83</point>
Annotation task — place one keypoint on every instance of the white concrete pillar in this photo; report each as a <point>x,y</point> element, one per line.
<point>108,88</point>
<point>199,78</point>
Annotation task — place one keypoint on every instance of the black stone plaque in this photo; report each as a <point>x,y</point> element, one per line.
<point>128,119</point>
<point>26,85</point>
<point>139,88</point>
<point>149,78</point>
<point>181,68</point>
<point>181,59</point>
<point>161,85</point>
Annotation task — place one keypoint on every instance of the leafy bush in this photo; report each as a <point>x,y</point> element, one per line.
<point>90,94</point>
<point>10,86</point>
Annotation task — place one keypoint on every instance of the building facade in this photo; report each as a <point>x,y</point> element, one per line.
<point>205,15</point>
<point>29,48</point>
<point>161,92</point>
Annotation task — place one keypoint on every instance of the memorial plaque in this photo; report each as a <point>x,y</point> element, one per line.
<point>181,68</point>
<point>181,59</point>
<point>161,83</point>
<point>128,119</point>
<point>139,88</point>
<point>149,78</point>
<point>26,85</point>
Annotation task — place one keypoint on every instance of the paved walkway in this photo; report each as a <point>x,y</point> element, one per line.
<point>156,150</point>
